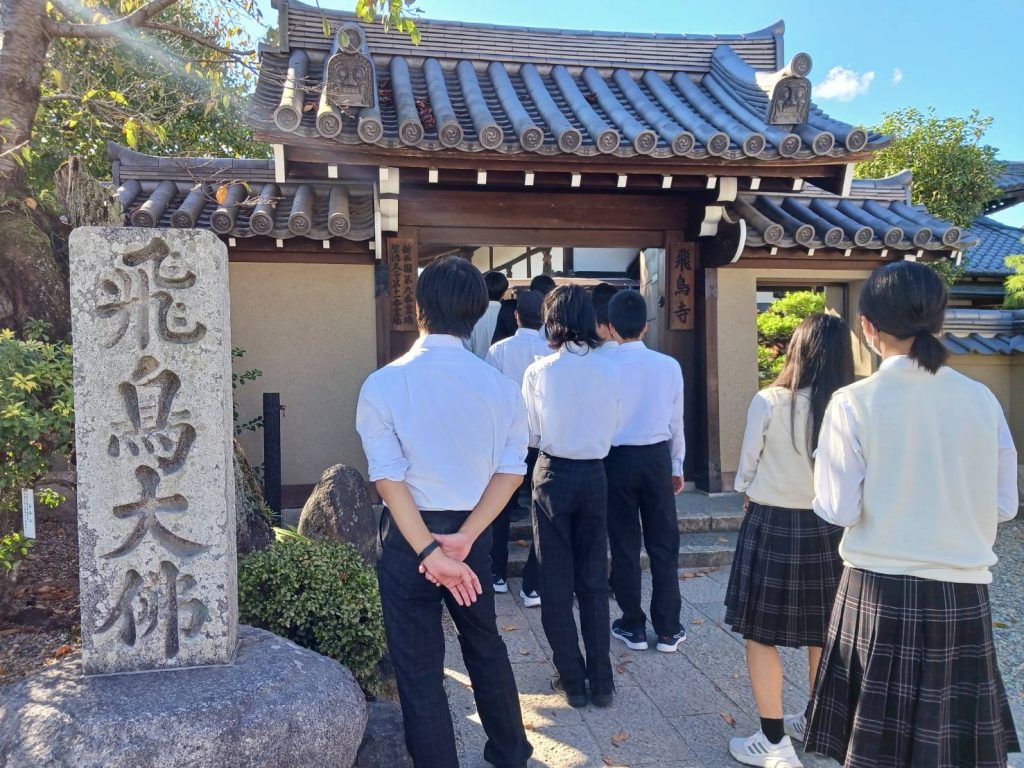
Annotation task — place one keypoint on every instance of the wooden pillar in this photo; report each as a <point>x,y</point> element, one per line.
<point>707,312</point>
<point>568,261</point>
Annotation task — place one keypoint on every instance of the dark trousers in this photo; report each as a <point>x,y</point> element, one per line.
<point>412,622</point>
<point>499,535</point>
<point>569,500</point>
<point>640,480</point>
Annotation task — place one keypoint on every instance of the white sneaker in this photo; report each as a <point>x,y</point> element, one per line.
<point>500,586</point>
<point>796,726</point>
<point>530,600</point>
<point>757,750</point>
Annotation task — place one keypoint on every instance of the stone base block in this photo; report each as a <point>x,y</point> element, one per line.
<point>277,705</point>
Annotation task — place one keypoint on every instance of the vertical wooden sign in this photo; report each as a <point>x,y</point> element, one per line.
<point>402,260</point>
<point>680,257</point>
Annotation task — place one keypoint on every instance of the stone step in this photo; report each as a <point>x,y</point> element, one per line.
<point>696,550</point>
<point>694,515</point>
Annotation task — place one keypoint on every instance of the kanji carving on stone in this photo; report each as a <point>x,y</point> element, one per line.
<point>152,425</point>
<point>146,284</point>
<point>158,597</point>
<point>146,509</point>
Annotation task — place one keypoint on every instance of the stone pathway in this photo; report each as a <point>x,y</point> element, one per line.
<point>671,710</point>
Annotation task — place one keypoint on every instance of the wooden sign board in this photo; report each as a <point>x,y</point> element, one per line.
<point>402,263</point>
<point>681,290</point>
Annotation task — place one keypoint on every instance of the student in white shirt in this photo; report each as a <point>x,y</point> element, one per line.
<point>601,295</point>
<point>512,356</point>
<point>787,566</point>
<point>479,340</point>
<point>445,436</point>
<point>917,463</point>
<point>645,472</point>
<point>572,401</point>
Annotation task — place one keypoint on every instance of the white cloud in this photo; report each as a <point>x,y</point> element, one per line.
<point>897,76</point>
<point>843,84</point>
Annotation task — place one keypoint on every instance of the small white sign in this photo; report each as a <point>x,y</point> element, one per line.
<point>28,513</point>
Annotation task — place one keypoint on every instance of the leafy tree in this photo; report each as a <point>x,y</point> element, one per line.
<point>775,328</point>
<point>953,170</point>
<point>1014,284</point>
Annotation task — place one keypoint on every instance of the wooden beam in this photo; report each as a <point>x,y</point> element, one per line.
<point>285,256</point>
<point>505,236</point>
<point>541,210</point>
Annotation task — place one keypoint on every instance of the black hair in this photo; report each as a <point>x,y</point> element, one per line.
<point>627,313</point>
<point>908,300</point>
<point>819,358</point>
<point>450,297</point>
<point>601,294</point>
<point>543,284</point>
<point>569,317</point>
<point>496,284</point>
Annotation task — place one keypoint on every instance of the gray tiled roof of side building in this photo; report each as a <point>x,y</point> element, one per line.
<point>996,242</point>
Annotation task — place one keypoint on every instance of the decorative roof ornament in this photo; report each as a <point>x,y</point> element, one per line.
<point>789,91</point>
<point>350,78</point>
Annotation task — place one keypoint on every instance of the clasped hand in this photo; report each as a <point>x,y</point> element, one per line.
<point>444,567</point>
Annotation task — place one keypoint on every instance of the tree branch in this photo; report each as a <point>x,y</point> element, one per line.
<point>196,38</point>
<point>137,18</point>
<point>59,97</point>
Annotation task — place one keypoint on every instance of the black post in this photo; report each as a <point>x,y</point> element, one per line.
<point>272,452</point>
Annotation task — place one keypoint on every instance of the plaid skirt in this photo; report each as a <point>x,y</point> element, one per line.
<point>784,577</point>
<point>909,677</point>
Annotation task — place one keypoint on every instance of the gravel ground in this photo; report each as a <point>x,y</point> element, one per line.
<point>41,622</point>
<point>1008,611</point>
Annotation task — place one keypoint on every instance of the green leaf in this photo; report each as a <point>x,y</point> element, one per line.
<point>326,27</point>
<point>131,134</point>
<point>118,97</point>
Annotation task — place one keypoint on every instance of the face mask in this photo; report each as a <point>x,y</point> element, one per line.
<point>871,346</point>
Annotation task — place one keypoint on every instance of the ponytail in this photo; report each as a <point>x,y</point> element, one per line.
<point>927,351</point>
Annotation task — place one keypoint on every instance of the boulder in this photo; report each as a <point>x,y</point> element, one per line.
<point>339,508</point>
<point>276,705</point>
<point>252,515</point>
<point>384,739</point>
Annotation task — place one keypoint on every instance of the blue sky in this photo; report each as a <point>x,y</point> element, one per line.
<point>954,56</point>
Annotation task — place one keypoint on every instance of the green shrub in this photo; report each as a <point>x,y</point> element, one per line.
<point>775,328</point>
<point>320,595</point>
<point>36,415</point>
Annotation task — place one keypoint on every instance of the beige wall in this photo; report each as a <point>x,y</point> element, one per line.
<point>311,329</point>
<point>1004,375</point>
<point>737,345</point>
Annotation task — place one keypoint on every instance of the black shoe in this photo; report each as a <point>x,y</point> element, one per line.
<point>635,639</point>
<point>671,643</point>
<point>602,696</point>
<point>577,697</point>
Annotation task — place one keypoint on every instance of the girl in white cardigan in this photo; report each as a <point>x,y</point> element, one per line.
<point>787,567</point>
<point>917,463</point>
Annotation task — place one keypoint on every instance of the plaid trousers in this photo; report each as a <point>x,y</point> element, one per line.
<point>499,535</point>
<point>569,498</point>
<point>412,623</point>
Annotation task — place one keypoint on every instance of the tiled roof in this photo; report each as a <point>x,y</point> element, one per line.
<point>237,198</point>
<point>1011,186</point>
<point>996,241</point>
<point>984,331</point>
<point>511,90</point>
<point>876,214</point>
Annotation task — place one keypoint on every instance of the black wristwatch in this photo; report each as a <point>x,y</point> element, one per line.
<point>427,550</point>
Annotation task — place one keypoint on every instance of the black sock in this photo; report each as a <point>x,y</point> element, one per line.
<point>773,729</point>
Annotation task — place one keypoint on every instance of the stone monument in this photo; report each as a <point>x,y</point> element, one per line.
<point>156,519</point>
<point>156,496</point>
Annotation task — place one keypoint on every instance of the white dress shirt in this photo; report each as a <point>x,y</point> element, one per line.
<point>652,400</point>
<point>920,468</point>
<point>512,356</point>
<point>775,464</point>
<point>479,340</point>
<point>572,401</point>
<point>442,421</point>
<point>608,348</point>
